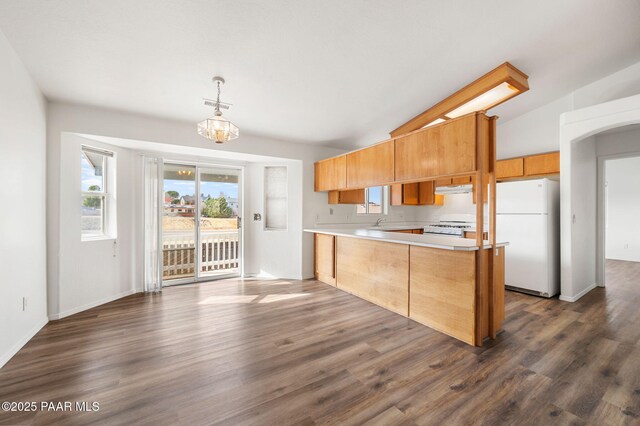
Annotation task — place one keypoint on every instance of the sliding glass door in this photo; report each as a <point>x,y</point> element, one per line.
<point>219,222</point>
<point>179,223</point>
<point>200,233</point>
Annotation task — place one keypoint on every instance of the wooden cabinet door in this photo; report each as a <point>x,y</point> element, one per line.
<point>417,155</point>
<point>331,174</point>
<point>410,194</point>
<point>350,196</point>
<point>426,196</point>
<point>513,167</point>
<point>373,166</point>
<point>461,180</point>
<point>325,258</point>
<point>375,271</point>
<point>543,164</point>
<point>395,194</point>
<point>442,290</point>
<point>457,146</point>
<point>443,182</point>
<point>446,149</point>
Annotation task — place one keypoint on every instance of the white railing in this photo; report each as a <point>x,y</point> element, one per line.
<point>219,253</point>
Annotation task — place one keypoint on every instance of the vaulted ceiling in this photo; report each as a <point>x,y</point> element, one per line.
<point>334,72</point>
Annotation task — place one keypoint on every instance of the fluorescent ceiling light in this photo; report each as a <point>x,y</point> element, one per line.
<point>434,122</point>
<point>493,88</point>
<point>486,100</point>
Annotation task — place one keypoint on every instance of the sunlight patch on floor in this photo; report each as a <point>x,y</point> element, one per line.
<point>250,298</point>
<point>269,298</point>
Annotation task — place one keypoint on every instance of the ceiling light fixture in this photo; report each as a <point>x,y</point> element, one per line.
<point>490,90</point>
<point>216,128</point>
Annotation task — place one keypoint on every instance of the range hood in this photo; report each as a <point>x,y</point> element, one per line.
<point>458,189</point>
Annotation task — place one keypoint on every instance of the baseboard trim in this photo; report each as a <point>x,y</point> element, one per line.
<point>25,339</point>
<point>579,295</point>
<point>78,309</point>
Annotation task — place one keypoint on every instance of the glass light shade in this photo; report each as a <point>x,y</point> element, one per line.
<point>485,101</point>
<point>218,129</point>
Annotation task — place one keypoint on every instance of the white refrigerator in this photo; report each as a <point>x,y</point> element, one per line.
<point>528,218</point>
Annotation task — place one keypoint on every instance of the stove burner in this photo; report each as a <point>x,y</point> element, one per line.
<point>450,229</point>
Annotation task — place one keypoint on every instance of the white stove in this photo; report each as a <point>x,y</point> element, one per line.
<point>451,226</point>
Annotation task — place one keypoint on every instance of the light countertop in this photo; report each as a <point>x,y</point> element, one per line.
<point>424,240</point>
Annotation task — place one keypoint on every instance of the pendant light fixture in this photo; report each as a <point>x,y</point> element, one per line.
<point>217,128</point>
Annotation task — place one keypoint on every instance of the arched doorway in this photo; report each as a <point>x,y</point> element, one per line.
<point>582,257</point>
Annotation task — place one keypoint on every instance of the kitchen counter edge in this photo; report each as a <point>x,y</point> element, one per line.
<point>422,240</point>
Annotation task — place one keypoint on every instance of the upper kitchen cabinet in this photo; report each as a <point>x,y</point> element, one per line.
<point>350,196</point>
<point>527,167</point>
<point>331,174</point>
<point>511,168</point>
<point>445,149</point>
<point>372,166</point>
<point>542,164</point>
<point>412,194</point>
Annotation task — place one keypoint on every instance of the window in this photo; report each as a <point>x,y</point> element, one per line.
<point>95,192</point>
<point>275,198</point>
<point>375,201</point>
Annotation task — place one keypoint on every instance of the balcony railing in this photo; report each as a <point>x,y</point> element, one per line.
<point>219,253</point>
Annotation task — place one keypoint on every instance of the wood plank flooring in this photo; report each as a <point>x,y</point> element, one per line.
<point>303,352</point>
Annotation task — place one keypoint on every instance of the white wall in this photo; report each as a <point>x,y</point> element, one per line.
<point>67,118</point>
<point>453,204</point>
<point>583,201</point>
<point>271,253</point>
<point>538,130</point>
<point>623,209</point>
<point>22,228</point>
<point>621,84</point>
<point>535,132</point>
<point>96,272</point>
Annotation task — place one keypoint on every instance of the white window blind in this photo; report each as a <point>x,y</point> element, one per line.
<point>275,197</point>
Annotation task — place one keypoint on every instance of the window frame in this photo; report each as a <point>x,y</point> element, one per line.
<point>384,204</point>
<point>104,193</point>
<point>286,198</point>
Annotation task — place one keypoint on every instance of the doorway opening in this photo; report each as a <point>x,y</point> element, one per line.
<point>201,222</point>
<point>621,208</point>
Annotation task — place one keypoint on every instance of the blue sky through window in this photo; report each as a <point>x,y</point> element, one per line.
<point>88,177</point>
<point>375,195</point>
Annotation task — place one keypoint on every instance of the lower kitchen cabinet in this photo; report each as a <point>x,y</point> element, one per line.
<point>375,271</point>
<point>325,258</point>
<point>443,285</point>
<point>457,292</point>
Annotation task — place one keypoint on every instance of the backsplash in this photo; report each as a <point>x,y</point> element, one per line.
<point>343,214</point>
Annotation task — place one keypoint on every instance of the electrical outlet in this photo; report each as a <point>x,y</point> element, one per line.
<point>24,303</point>
<point>331,212</point>
<point>626,246</point>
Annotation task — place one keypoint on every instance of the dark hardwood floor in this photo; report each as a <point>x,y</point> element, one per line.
<point>302,352</point>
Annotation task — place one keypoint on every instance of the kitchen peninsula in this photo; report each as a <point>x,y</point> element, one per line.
<point>454,285</point>
<point>431,279</point>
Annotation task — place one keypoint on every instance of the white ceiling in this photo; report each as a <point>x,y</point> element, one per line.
<point>336,72</point>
